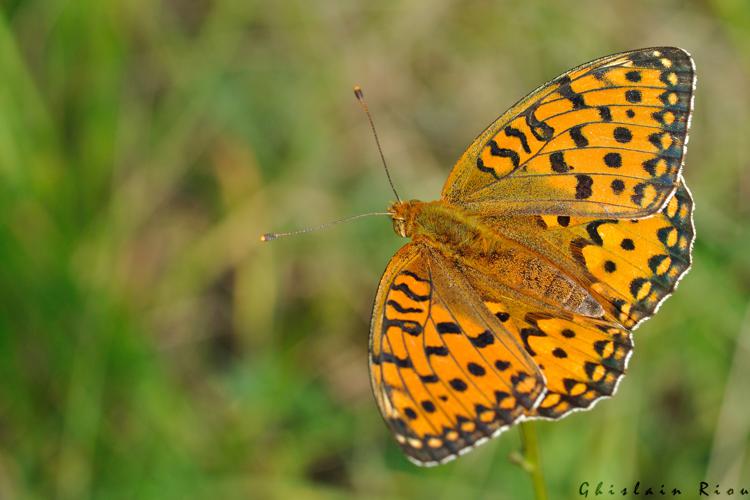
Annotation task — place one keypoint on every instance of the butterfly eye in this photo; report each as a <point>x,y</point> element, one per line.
<point>399,226</point>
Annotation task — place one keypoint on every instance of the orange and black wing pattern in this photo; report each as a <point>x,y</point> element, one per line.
<point>629,265</point>
<point>606,139</point>
<point>582,358</point>
<point>447,375</point>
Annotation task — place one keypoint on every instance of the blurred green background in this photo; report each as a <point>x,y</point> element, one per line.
<point>151,347</point>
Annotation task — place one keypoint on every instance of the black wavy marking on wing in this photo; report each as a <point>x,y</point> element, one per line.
<point>514,132</point>
<point>403,287</point>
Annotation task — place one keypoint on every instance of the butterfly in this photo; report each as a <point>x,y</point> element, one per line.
<point>562,227</point>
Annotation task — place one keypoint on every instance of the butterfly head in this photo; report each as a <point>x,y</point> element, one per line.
<point>403,214</point>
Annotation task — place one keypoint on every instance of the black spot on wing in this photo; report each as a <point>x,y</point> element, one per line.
<point>559,352</point>
<point>501,365</point>
<point>633,76</point>
<point>458,384</point>
<point>475,369</point>
<point>428,406</point>
<point>577,135</point>
<point>557,162</point>
<point>502,316</point>
<point>623,135</point>
<point>604,113</point>
<point>568,333</point>
<point>583,186</point>
<point>483,339</point>
<point>447,327</point>
<point>613,160</point>
<point>633,96</point>
<point>436,350</point>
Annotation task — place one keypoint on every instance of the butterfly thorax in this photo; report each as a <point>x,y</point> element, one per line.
<point>448,228</point>
<point>491,257</point>
<point>436,221</point>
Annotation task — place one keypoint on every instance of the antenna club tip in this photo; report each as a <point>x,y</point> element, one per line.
<point>358,92</point>
<point>267,237</point>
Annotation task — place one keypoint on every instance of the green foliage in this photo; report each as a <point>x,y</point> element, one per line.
<point>151,347</point>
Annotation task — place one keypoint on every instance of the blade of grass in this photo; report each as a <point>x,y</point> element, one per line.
<point>732,430</point>
<point>532,461</point>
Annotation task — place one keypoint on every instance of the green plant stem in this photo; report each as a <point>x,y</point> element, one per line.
<point>533,463</point>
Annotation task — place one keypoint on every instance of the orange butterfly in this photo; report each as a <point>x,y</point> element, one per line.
<point>563,226</point>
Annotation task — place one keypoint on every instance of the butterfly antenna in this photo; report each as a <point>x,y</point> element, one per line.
<point>361,98</point>
<point>274,236</point>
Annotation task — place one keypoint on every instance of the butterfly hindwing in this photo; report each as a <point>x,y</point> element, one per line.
<point>606,139</point>
<point>582,358</point>
<point>446,374</point>
<point>630,266</point>
<point>582,355</point>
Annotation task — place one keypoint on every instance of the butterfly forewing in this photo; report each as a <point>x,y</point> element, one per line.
<point>446,374</point>
<point>606,139</point>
